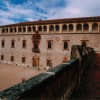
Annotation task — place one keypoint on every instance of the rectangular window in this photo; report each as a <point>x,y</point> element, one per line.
<point>50,42</point>
<point>3,43</point>
<point>24,44</point>
<point>65,44</point>
<point>13,44</point>
<point>84,43</point>
<point>49,63</point>
<point>23,60</point>
<point>12,58</point>
<point>2,57</point>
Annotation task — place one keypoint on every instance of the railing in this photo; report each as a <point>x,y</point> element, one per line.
<point>57,83</point>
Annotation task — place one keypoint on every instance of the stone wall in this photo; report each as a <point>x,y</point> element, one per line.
<point>57,83</point>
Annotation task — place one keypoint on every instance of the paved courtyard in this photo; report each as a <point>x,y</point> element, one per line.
<point>12,74</point>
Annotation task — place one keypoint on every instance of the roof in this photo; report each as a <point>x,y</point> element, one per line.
<point>55,21</point>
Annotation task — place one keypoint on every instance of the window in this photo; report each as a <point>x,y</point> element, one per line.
<point>49,63</point>
<point>29,29</point>
<point>24,29</point>
<point>11,30</point>
<point>84,43</point>
<point>79,27</point>
<point>23,59</point>
<point>19,29</point>
<point>95,27</point>
<point>57,27</point>
<point>45,28</point>
<point>51,28</point>
<point>13,44</point>
<point>3,43</point>
<point>40,28</point>
<point>12,58</point>
<point>2,57</point>
<point>50,44</point>
<point>64,27</point>
<point>34,28</point>
<point>15,29</point>
<point>24,44</point>
<point>70,27</point>
<point>85,27</point>
<point>65,44</point>
<point>6,29</point>
<point>3,30</point>
<point>35,61</point>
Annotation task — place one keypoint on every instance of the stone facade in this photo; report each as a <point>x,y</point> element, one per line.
<point>17,40</point>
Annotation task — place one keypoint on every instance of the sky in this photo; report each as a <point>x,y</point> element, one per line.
<point>15,11</point>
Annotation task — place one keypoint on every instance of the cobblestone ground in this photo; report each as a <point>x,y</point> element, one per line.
<point>12,74</point>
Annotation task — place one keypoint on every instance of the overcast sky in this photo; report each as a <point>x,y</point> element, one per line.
<point>14,11</point>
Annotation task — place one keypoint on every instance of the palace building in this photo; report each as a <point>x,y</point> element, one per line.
<point>47,43</point>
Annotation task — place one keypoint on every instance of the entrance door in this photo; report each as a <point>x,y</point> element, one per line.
<point>35,61</point>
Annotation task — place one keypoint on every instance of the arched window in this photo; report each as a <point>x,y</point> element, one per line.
<point>45,28</point>
<point>85,27</point>
<point>6,29</point>
<point>79,27</point>
<point>19,29</point>
<point>14,29</point>
<point>70,27</point>
<point>40,28</point>
<point>11,30</point>
<point>51,28</point>
<point>95,27</point>
<point>29,29</point>
<point>64,27</point>
<point>34,28</point>
<point>24,29</point>
<point>57,27</point>
<point>3,30</point>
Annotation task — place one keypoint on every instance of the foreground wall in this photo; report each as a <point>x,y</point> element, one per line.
<point>57,83</point>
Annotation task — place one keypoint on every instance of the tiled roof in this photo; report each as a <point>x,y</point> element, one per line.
<point>55,21</point>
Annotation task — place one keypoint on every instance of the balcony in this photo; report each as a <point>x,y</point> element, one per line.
<point>36,50</point>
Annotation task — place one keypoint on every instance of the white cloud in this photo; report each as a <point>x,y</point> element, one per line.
<point>79,8</point>
<point>49,9</point>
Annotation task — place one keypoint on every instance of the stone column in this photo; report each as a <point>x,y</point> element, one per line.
<point>60,28</point>
<point>67,27</point>
<point>98,27</point>
<point>47,28</point>
<point>82,27</point>
<point>16,29</point>
<point>74,27</point>
<point>90,27</point>
<point>26,28</point>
